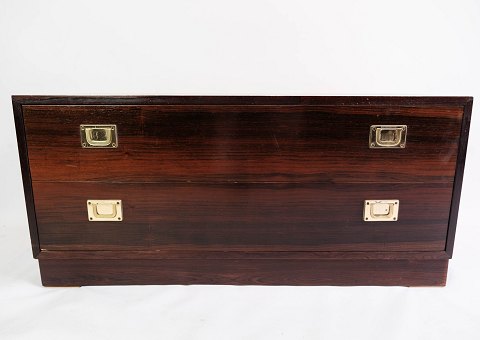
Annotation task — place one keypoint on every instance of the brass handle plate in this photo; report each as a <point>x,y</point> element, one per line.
<point>388,136</point>
<point>105,210</point>
<point>381,210</point>
<point>98,136</point>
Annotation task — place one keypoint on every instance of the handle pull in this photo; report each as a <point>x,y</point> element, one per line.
<point>388,136</point>
<point>380,210</point>
<point>105,210</point>
<point>98,136</point>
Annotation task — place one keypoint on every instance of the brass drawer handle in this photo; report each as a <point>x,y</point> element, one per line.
<point>98,136</point>
<point>388,136</point>
<point>380,210</point>
<point>105,210</point>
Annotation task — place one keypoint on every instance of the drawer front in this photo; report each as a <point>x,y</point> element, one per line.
<point>242,143</point>
<point>243,216</point>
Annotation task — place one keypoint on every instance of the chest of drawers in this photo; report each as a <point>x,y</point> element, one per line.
<point>242,190</point>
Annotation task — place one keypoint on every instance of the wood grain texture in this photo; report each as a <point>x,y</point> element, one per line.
<point>243,144</point>
<point>81,272</point>
<point>243,216</point>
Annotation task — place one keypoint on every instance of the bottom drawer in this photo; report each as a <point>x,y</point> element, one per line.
<point>256,216</point>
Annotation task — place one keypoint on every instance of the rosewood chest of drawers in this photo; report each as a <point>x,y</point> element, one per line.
<point>242,190</point>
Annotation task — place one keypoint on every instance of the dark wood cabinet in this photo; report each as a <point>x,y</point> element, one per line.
<point>242,190</point>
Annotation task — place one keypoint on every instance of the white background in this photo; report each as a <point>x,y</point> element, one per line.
<point>236,48</point>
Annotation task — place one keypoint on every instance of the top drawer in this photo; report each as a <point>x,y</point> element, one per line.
<point>242,143</point>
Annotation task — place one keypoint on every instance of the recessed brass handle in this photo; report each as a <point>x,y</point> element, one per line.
<point>98,136</point>
<point>380,210</point>
<point>105,210</point>
<point>388,136</point>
